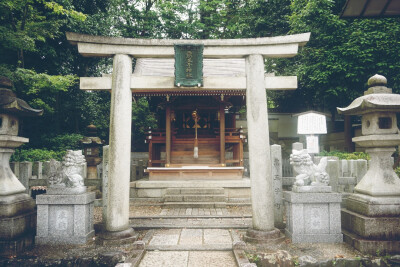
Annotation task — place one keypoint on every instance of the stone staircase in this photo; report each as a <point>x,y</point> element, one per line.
<point>195,198</point>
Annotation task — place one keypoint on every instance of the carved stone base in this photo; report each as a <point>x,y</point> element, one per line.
<point>65,219</point>
<point>313,217</point>
<point>117,238</point>
<point>255,236</point>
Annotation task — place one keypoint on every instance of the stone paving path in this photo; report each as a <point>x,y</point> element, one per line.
<point>192,218</point>
<point>189,248</point>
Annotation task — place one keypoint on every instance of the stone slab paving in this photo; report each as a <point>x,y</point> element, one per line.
<point>190,239</point>
<point>189,248</point>
<point>188,259</point>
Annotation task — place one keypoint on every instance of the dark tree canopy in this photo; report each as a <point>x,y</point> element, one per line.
<point>332,68</point>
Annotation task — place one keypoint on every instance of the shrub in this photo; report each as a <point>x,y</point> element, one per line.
<point>36,155</point>
<point>345,155</point>
<point>62,142</point>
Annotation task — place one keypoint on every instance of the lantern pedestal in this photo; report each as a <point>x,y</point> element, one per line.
<point>372,223</point>
<point>17,209</point>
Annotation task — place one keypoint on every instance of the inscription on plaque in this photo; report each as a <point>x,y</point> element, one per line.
<point>316,220</point>
<point>188,65</point>
<point>61,220</point>
<point>311,123</point>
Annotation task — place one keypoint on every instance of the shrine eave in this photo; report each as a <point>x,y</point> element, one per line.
<point>189,92</point>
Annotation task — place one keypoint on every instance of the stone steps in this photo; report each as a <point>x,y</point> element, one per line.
<point>195,197</point>
<point>179,205</point>
<point>195,191</point>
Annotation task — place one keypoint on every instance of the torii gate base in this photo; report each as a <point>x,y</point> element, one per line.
<point>254,51</point>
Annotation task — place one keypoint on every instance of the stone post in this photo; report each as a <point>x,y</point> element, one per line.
<point>105,182</point>
<point>262,194</point>
<point>37,170</point>
<point>117,212</point>
<point>25,173</point>
<point>276,158</point>
<point>333,169</point>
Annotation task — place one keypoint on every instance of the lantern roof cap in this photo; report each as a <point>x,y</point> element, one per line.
<point>378,98</point>
<point>9,103</point>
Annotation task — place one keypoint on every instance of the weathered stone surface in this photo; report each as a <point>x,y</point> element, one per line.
<point>255,236</point>
<point>117,212</point>
<point>304,260</point>
<point>65,219</point>
<point>165,258</point>
<point>280,258</point>
<point>217,236</point>
<point>373,206</point>
<point>259,148</point>
<point>211,258</point>
<point>377,227</point>
<point>312,189</point>
<point>13,205</point>
<point>367,246</point>
<point>313,217</point>
<point>191,236</point>
<point>276,157</point>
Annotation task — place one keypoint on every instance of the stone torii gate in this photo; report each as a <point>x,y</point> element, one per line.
<point>255,82</point>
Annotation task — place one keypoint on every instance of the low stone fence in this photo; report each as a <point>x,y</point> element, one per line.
<point>34,175</point>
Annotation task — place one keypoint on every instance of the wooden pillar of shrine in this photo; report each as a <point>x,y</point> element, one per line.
<point>168,135</point>
<point>222,133</point>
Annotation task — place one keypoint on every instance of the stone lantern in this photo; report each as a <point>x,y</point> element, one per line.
<point>17,214</point>
<point>372,216</point>
<point>91,149</point>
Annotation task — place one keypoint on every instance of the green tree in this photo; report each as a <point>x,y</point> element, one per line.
<point>339,58</point>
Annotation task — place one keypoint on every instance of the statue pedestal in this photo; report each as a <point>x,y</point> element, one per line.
<point>313,217</point>
<point>65,219</point>
<point>372,223</point>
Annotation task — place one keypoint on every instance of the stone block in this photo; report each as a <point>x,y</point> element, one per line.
<point>16,226</point>
<point>313,217</point>
<point>17,223</point>
<point>13,205</point>
<point>373,206</point>
<point>371,227</point>
<point>173,198</point>
<point>65,219</point>
<point>369,246</point>
<point>150,192</point>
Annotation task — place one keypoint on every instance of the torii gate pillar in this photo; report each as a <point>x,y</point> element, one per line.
<point>117,223</point>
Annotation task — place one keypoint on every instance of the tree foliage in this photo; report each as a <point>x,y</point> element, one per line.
<point>332,68</point>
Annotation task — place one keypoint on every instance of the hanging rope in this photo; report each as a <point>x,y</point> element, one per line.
<point>196,141</point>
